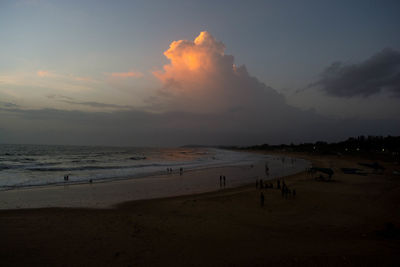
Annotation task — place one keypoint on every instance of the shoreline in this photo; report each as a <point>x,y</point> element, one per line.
<point>111,180</point>
<point>49,176</point>
<point>107,193</point>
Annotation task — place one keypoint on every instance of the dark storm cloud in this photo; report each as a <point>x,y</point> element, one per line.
<point>379,73</point>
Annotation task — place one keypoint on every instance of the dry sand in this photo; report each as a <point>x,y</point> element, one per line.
<point>338,223</point>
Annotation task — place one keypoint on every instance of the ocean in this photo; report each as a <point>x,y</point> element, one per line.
<point>39,165</point>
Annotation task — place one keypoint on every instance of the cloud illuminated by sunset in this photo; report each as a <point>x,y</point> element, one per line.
<point>191,58</point>
<point>131,74</point>
<point>43,73</point>
<point>201,78</point>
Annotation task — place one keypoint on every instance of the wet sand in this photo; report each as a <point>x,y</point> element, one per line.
<point>353,220</point>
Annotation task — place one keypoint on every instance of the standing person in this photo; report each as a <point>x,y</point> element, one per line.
<point>262,199</point>
<point>224,180</point>
<point>266,169</point>
<point>220,181</point>
<point>278,184</point>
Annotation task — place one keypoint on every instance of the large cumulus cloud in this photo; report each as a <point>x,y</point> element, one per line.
<point>201,78</point>
<point>379,73</point>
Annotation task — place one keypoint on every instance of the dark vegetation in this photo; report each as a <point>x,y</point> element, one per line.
<point>377,147</point>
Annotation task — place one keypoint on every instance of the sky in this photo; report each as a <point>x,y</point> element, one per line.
<point>170,73</point>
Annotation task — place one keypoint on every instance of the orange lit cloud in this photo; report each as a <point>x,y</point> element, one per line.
<point>130,74</point>
<point>43,73</point>
<point>201,78</point>
<point>64,77</point>
<point>191,59</point>
<point>82,79</point>
<point>50,80</point>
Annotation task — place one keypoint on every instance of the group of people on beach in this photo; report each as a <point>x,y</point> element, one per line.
<point>286,191</point>
<point>280,185</point>
<point>261,185</point>
<point>170,170</point>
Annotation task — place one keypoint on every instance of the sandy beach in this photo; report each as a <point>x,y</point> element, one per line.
<point>352,220</point>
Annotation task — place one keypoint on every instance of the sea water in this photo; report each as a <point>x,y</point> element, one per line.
<point>40,165</point>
